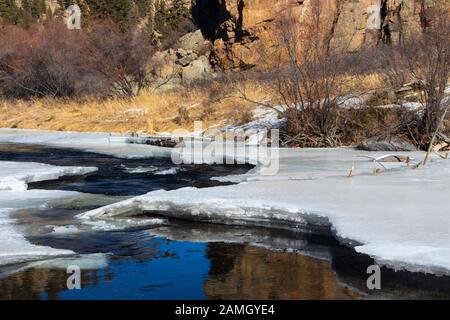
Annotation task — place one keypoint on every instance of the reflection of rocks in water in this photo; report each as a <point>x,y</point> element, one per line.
<point>352,269</point>
<point>43,283</point>
<point>247,272</point>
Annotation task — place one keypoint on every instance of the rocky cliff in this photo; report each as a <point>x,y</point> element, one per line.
<point>238,28</point>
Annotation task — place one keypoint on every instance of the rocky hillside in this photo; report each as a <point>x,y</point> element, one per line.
<point>238,27</point>
<point>235,32</point>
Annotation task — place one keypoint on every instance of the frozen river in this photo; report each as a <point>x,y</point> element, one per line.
<point>145,223</point>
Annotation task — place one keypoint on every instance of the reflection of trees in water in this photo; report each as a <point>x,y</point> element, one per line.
<point>39,283</point>
<point>35,283</point>
<point>243,271</point>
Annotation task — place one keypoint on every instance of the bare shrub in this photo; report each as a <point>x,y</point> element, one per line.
<point>241,115</point>
<point>120,58</point>
<point>312,82</point>
<point>382,123</point>
<point>208,111</point>
<point>40,61</point>
<point>50,60</point>
<point>424,59</point>
<point>183,116</point>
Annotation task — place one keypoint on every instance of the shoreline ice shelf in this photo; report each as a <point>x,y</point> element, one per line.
<point>400,217</point>
<point>14,196</point>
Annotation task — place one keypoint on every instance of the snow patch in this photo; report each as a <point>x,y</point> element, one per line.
<point>102,143</point>
<point>15,176</point>
<point>14,195</point>
<point>64,229</point>
<point>123,224</point>
<point>169,171</point>
<point>139,169</point>
<point>14,247</point>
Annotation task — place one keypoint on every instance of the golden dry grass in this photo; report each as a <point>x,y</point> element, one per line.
<point>216,104</point>
<point>151,112</point>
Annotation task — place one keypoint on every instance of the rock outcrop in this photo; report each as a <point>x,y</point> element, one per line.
<point>239,28</point>
<point>189,63</point>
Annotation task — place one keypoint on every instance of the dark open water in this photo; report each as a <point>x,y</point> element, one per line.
<point>183,260</point>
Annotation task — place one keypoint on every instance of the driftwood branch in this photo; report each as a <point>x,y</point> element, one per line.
<point>433,139</point>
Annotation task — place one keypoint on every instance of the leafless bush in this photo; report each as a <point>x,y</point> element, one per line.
<point>40,60</point>
<point>121,59</point>
<point>241,115</point>
<point>312,82</point>
<point>51,60</point>
<point>424,59</point>
<point>183,116</point>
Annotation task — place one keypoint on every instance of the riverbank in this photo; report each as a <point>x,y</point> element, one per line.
<point>146,257</point>
<point>399,217</point>
<point>151,112</point>
<point>373,211</point>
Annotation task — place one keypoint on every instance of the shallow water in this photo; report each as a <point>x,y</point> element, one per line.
<point>180,260</point>
<point>118,176</point>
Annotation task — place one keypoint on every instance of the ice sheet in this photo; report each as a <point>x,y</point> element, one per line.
<point>399,217</point>
<point>14,246</point>
<point>86,141</point>
<point>16,175</point>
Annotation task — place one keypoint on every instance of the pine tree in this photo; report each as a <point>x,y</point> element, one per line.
<point>117,10</point>
<point>144,7</point>
<point>37,9</point>
<point>178,12</point>
<point>162,15</point>
<point>9,11</point>
<point>169,17</point>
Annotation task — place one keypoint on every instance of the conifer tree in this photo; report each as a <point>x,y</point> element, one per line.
<point>9,11</point>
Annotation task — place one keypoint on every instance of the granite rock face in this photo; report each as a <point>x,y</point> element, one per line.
<point>233,33</point>
<point>239,28</point>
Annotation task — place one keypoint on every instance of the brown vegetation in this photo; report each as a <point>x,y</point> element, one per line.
<point>314,79</point>
<point>151,111</point>
<point>100,80</point>
<point>50,60</point>
<point>424,60</point>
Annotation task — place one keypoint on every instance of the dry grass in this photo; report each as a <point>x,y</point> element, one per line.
<point>215,104</point>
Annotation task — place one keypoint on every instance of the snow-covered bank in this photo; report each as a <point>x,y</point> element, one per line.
<point>197,151</point>
<point>400,217</point>
<point>86,141</point>
<point>14,247</point>
<point>14,177</point>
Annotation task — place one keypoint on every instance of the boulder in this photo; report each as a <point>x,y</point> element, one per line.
<point>198,69</point>
<point>187,59</point>
<point>387,144</point>
<point>193,41</point>
<point>181,53</point>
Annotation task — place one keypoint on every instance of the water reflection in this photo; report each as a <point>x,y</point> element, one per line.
<point>34,284</point>
<point>184,260</point>
<point>184,270</point>
<point>243,271</point>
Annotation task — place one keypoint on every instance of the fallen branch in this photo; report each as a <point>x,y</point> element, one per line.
<point>433,139</point>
